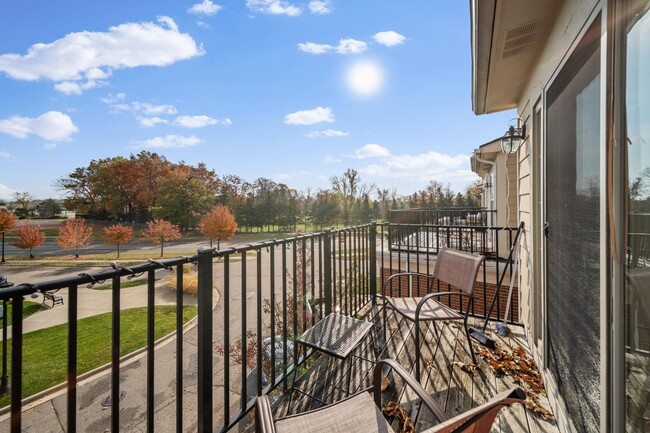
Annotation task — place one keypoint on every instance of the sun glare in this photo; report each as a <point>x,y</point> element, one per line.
<point>365,78</point>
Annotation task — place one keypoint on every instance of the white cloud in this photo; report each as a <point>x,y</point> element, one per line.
<point>310,117</point>
<point>285,176</point>
<point>118,103</point>
<point>330,159</point>
<point>112,99</point>
<point>351,46</point>
<point>274,7</point>
<point>371,151</point>
<point>320,7</point>
<point>6,192</point>
<point>148,122</point>
<point>314,48</point>
<point>77,88</point>
<point>86,57</point>
<point>389,38</point>
<point>53,125</point>
<point>326,133</point>
<point>345,46</point>
<point>206,7</point>
<point>199,121</point>
<point>170,141</point>
<point>4,155</point>
<point>149,109</point>
<point>424,166</point>
<point>50,146</point>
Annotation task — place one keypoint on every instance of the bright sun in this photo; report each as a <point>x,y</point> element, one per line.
<point>365,78</point>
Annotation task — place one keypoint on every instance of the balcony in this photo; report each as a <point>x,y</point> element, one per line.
<point>252,301</point>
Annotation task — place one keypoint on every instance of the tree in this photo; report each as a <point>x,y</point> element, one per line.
<point>218,224</point>
<point>182,196</point>
<point>48,208</point>
<point>160,230</point>
<point>28,237</point>
<point>74,234</point>
<point>117,234</point>
<point>7,220</point>
<point>23,199</point>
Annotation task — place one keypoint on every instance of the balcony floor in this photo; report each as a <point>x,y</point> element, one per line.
<point>452,388</point>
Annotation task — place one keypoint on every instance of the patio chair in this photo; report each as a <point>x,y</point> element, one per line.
<point>453,268</point>
<point>360,414</point>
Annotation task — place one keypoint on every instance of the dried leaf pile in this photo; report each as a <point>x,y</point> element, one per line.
<point>522,369</point>
<point>397,411</point>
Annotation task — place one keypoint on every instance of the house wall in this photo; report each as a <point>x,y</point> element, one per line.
<point>571,19</point>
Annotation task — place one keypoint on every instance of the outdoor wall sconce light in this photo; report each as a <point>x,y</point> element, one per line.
<point>513,137</point>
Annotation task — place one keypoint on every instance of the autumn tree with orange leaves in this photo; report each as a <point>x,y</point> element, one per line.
<point>7,222</point>
<point>117,234</point>
<point>218,224</point>
<point>160,230</point>
<point>28,237</point>
<point>74,234</point>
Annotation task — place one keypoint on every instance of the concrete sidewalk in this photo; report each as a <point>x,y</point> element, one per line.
<point>91,302</point>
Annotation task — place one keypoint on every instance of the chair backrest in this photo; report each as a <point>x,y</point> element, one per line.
<point>481,418</point>
<point>457,268</point>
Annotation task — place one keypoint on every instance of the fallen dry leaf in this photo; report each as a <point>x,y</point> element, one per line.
<point>397,411</point>
<point>384,383</point>
<point>521,367</point>
<point>466,367</point>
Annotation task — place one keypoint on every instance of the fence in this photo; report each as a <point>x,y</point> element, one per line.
<point>268,293</point>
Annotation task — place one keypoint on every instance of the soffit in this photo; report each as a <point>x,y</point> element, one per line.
<point>507,36</point>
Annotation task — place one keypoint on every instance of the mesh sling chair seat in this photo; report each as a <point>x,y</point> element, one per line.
<point>453,268</point>
<point>361,413</point>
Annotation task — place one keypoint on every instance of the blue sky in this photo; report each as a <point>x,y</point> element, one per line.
<point>295,91</point>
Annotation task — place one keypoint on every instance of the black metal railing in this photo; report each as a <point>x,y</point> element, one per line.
<point>413,248</point>
<point>252,302</point>
<point>269,293</point>
<point>443,216</point>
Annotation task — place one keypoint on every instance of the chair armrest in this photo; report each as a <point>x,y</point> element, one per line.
<point>410,381</point>
<point>430,296</point>
<point>402,274</point>
<point>263,415</point>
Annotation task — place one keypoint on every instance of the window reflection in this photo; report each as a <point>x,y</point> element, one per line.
<point>637,305</point>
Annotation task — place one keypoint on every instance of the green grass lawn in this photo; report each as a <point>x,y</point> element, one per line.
<point>29,308</point>
<point>45,350</point>
<point>123,284</point>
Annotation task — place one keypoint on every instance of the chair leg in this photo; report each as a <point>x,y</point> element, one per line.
<point>469,341</point>
<point>417,351</point>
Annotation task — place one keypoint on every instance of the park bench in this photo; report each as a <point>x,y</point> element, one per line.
<point>53,298</point>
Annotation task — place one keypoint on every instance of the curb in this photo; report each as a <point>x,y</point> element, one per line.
<point>48,394</point>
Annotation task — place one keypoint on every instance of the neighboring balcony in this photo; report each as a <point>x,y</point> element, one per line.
<point>252,302</point>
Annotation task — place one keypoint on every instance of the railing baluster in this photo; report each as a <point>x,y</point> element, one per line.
<point>294,300</point>
<point>285,357</point>
<point>16,364</point>
<point>72,359</point>
<point>204,374</point>
<point>327,268</point>
<point>226,339</point>
<point>372,259</point>
<point>115,355</point>
<point>151,339</point>
<point>259,322</point>
<point>244,345</point>
<point>179,348</point>
<point>312,277</point>
<point>272,290</point>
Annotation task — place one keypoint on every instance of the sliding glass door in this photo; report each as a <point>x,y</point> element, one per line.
<point>573,234</point>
